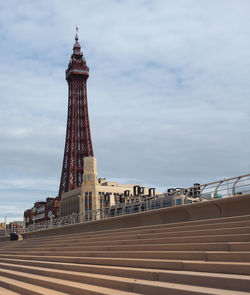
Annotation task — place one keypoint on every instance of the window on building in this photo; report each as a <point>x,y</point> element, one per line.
<point>101,201</point>
<point>86,202</point>
<point>90,206</point>
<point>90,200</point>
<point>178,202</point>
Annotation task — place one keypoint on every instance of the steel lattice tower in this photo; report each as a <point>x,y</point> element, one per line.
<point>78,142</point>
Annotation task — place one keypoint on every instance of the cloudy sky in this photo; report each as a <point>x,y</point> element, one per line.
<point>168,92</point>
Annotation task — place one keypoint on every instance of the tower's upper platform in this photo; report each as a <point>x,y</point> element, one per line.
<point>77,64</point>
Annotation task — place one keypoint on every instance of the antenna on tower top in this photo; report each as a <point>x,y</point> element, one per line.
<point>76,38</point>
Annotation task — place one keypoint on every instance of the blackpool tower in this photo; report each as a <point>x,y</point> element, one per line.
<point>78,142</point>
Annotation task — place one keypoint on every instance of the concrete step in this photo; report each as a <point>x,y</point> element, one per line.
<point>228,256</point>
<point>162,240</point>
<point>14,286</point>
<point>173,255</point>
<point>177,255</point>
<point>242,268</point>
<point>180,289</point>
<point>59,285</point>
<point>236,246</point>
<point>218,267</point>
<point>150,234</point>
<point>114,282</point>
<point>224,223</point>
<point>76,271</point>
<point>201,257</point>
<point>72,284</point>
<point>160,229</point>
<point>4,291</point>
<point>142,247</point>
<point>203,224</point>
<point>208,223</point>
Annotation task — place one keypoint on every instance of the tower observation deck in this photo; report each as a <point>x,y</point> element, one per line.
<point>78,143</point>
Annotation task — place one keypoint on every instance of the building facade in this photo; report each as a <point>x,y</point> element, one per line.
<point>42,211</point>
<point>98,193</point>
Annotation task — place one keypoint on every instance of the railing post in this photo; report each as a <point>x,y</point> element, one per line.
<point>234,185</point>
<point>217,187</point>
<point>51,221</point>
<point>5,226</point>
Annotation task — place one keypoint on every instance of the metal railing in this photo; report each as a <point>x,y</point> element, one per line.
<point>18,231</point>
<point>173,197</point>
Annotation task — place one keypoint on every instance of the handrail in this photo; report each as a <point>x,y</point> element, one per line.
<point>197,193</point>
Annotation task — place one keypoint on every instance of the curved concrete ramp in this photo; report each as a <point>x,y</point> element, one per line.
<point>203,256</point>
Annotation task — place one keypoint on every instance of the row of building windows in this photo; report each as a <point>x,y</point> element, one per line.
<point>70,205</point>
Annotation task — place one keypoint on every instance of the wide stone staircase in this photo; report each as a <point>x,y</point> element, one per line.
<point>209,256</point>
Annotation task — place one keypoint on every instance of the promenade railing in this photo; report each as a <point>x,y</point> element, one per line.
<point>234,186</point>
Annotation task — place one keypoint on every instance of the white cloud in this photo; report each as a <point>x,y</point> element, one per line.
<point>168,91</point>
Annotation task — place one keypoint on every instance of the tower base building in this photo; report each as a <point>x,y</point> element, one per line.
<point>96,194</point>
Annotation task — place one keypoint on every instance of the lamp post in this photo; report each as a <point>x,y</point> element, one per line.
<point>5,226</point>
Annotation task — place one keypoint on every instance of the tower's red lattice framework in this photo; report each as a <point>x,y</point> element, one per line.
<point>78,142</point>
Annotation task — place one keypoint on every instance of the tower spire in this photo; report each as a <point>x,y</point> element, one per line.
<point>77,47</point>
